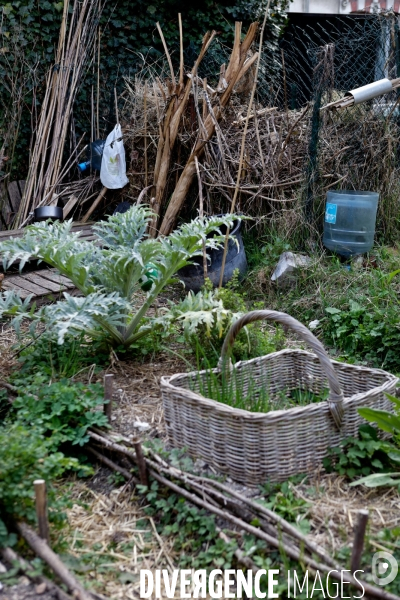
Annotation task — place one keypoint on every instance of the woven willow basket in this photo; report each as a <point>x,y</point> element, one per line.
<point>255,447</point>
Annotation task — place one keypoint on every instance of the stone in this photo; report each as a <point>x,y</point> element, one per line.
<point>285,271</point>
<point>141,425</point>
<point>313,324</point>
<point>357,262</point>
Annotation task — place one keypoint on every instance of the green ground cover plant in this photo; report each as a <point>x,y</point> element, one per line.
<point>57,361</point>
<point>363,455</point>
<point>62,410</point>
<point>282,499</point>
<point>390,423</point>
<point>358,309</point>
<point>41,436</point>
<point>194,531</point>
<point>365,333</point>
<point>25,455</point>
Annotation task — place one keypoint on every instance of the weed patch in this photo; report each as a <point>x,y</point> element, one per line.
<point>365,334</point>
<point>360,456</point>
<point>233,389</point>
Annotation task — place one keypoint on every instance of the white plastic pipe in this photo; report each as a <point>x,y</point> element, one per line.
<point>372,90</point>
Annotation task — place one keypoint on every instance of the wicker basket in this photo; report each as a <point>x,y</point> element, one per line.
<point>255,447</point>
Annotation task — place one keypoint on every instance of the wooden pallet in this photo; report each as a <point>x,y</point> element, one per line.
<point>85,231</point>
<point>86,234</point>
<point>44,285</point>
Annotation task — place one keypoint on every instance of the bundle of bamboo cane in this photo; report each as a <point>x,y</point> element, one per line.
<point>75,49</point>
<point>215,102</point>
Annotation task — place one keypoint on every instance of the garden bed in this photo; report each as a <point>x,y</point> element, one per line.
<point>108,518</point>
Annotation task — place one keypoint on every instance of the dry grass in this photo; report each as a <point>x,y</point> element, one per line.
<point>8,360</point>
<point>113,538</point>
<point>334,506</point>
<point>137,397</point>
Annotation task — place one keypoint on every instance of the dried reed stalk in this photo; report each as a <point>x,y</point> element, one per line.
<point>74,52</point>
<point>246,125</point>
<point>238,64</point>
<point>176,105</point>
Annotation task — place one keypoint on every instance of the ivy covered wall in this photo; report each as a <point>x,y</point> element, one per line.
<point>29,33</point>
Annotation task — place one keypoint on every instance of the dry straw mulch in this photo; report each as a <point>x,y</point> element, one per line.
<point>334,507</point>
<point>113,538</point>
<point>8,359</point>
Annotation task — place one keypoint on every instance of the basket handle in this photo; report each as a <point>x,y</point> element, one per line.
<point>335,399</point>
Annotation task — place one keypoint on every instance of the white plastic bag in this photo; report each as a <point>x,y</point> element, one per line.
<point>113,166</point>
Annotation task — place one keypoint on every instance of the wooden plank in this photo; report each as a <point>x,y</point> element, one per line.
<point>89,238</point>
<point>30,287</point>
<point>20,232</point>
<point>57,278</point>
<point>8,286</point>
<point>14,195</point>
<point>4,235</point>
<point>69,206</point>
<point>85,234</point>
<point>44,283</point>
<point>85,231</point>
<point>82,226</point>
<point>5,207</point>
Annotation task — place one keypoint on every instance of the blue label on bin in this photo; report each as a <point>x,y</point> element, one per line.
<point>330,213</point>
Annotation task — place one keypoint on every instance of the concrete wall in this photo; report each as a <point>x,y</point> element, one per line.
<point>342,7</point>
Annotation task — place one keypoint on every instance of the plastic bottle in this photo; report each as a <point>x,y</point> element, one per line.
<point>95,154</point>
<point>349,224</point>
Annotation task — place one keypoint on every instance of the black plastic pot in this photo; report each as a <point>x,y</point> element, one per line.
<point>122,207</point>
<point>193,275</point>
<point>43,213</point>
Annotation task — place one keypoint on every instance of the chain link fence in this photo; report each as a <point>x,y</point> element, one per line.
<point>356,147</point>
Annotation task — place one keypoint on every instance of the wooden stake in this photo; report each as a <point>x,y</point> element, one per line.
<point>167,54</point>
<point>92,116</point>
<point>201,214</point>
<point>358,543</point>
<point>41,508</point>
<point>98,87</point>
<point>108,394</point>
<point>116,105</point>
<point>204,99</point>
<point>180,50</point>
<point>144,478</point>
<point>246,125</point>
<point>146,178</point>
<point>94,205</point>
<point>284,84</point>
